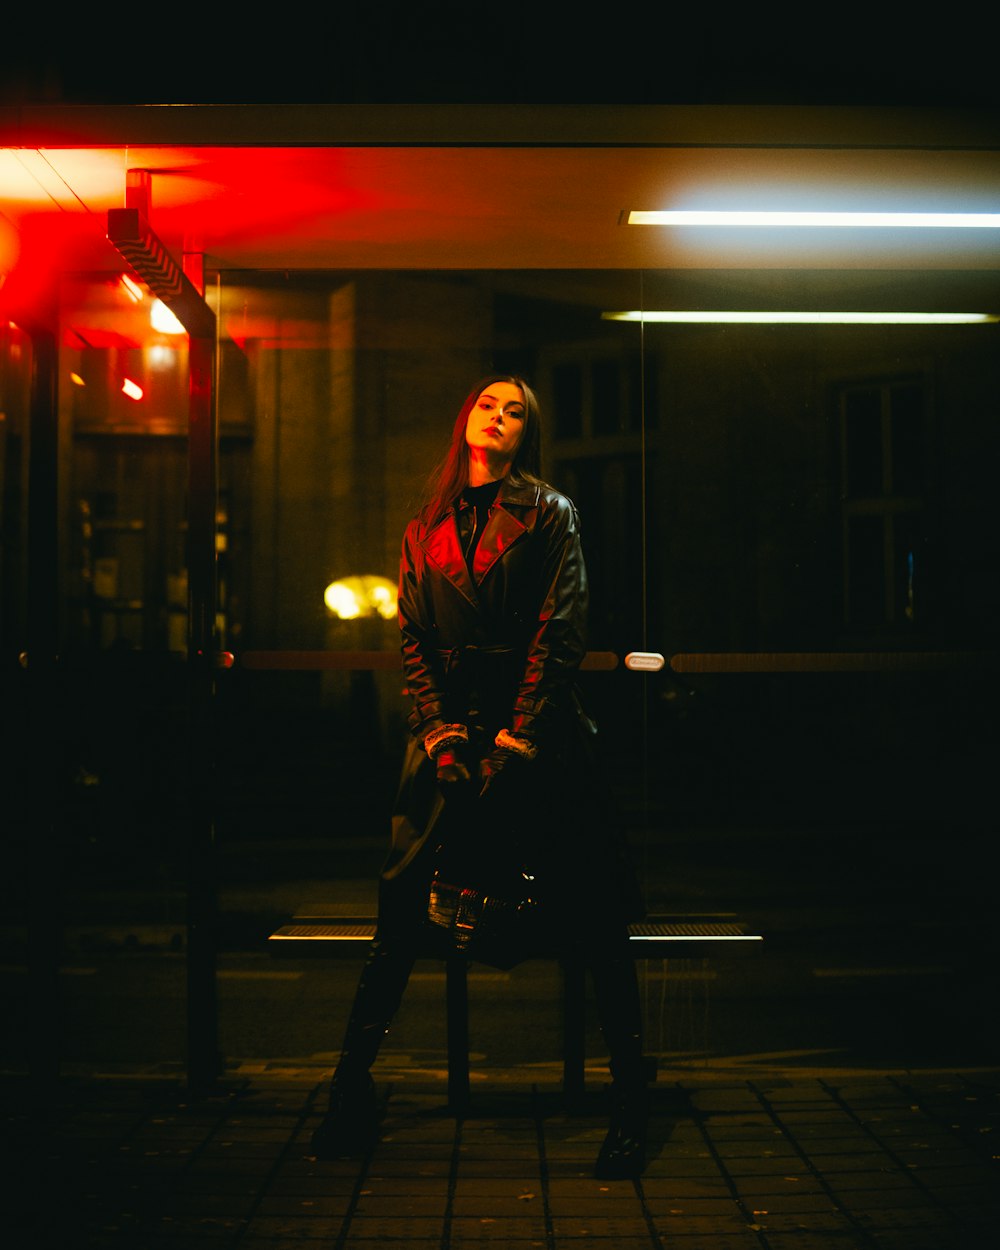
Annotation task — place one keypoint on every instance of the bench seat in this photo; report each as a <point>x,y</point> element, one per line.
<point>332,931</point>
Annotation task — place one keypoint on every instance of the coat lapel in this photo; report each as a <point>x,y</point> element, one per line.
<point>501,531</point>
<point>442,548</point>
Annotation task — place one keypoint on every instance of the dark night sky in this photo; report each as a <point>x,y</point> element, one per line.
<point>517,53</point>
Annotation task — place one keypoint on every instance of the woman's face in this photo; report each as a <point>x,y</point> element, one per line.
<point>496,421</point>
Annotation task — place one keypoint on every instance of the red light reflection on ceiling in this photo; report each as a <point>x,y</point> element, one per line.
<point>212,201</point>
<point>81,337</point>
<point>10,247</point>
<point>241,194</point>
<point>50,246</point>
<point>100,313</point>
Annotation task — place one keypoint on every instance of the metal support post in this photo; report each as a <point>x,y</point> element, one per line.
<point>574,1022</point>
<point>204,1061</point>
<point>39,824</point>
<point>457,995</point>
<point>130,233</point>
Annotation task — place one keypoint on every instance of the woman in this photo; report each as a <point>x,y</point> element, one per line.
<point>499,767</point>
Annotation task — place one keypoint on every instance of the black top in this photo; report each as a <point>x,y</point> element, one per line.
<point>481,498</point>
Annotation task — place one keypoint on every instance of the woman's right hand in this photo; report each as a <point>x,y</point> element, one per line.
<point>446,745</point>
<point>453,774</point>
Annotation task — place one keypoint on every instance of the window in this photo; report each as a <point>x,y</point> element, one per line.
<point>599,397</point>
<point>884,443</point>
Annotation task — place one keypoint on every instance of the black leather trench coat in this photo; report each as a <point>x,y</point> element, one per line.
<point>499,649</point>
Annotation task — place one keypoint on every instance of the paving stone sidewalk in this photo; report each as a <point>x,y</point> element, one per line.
<point>870,1161</point>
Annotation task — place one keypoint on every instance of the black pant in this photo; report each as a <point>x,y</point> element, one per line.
<point>387,970</point>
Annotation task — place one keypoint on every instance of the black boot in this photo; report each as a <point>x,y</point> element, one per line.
<point>623,1153</point>
<point>350,1126</point>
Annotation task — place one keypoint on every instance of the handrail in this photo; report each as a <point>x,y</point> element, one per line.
<point>379,661</point>
<point>683,662</point>
<point>832,661</point>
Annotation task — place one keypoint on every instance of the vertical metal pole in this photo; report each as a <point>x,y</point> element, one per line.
<point>574,1028</point>
<point>44,865</point>
<point>457,996</point>
<point>183,292</point>
<point>204,1061</point>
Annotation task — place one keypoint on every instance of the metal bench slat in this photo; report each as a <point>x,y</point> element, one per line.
<point>363,930</point>
<point>676,930</point>
<point>647,935</point>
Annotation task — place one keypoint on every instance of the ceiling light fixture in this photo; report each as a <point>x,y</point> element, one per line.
<point>802,318</point>
<point>163,320</point>
<point>824,220</point>
<point>135,241</point>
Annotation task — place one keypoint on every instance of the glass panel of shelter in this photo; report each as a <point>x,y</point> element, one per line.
<point>803,481</point>
<point>751,492</point>
<point>745,490</point>
<point>351,385</point>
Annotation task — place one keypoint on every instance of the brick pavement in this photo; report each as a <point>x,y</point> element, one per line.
<point>790,1161</point>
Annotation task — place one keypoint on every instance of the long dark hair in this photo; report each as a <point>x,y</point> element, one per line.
<point>451,476</point>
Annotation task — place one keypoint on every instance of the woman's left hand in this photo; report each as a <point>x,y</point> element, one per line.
<point>495,770</point>
<point>504,769</point>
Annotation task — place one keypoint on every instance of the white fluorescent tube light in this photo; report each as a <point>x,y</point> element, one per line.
<point>804,318</point>
<point>698,937</point>
<point>699,217</point>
